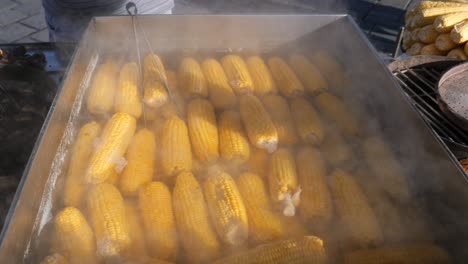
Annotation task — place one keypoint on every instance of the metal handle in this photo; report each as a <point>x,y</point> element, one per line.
<point>129,6</point>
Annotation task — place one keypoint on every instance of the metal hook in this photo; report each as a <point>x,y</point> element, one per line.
<point>129,6</point>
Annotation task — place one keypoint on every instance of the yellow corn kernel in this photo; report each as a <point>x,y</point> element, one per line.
<point>196,233</point>
<point>306,249</point>
<point>356,216</point>
<point>127,98</point>
<point>154,81</point>
<point>261,77</point>
<point>258,162</point>
<point>203,130</point>
<point>444,42</point>
<point>258,124</point>
<point>73,235</point>
<point>113,143</point>
<point>282,178</point>
<point>264,224</point>
<point>140,156</point>
<point>336,110</point>
<point>278,109</point>
<point>457,54</point>
<point>287,81</point>
<point>75,186</point>
<point>308,73</point>
<point>107,213</point>
<point>226,208</point>
<point>459,33</point>
<point>103,88</point>
<point>415,49</point>
<point>336,150</point>
<point>192,79</point>
<point>233,144</point>
<point>221,94</point>
<point>175,144</point>
<point>308,124</point>
<point>155,205</point>
<point>237,74</point>
<point>316,206</point>
<point>445,23</point>
<point>331,69</point>
<point>137,248</point>
<point>54,259</point>
<point>427,34</point>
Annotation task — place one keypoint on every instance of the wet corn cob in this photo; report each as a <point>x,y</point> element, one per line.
<point>264,224</point>
<point>258,162</point>
<point>128,98</point>
<point>192,79</point>
<point>459,33</point>
<point>226,208</point>
<point>238,74</point>
<point>54,259</point>
<point>203,130</point>
<point>444,42</point>
<point>175,144</point>
<point>154,81</point>
<point>359,222</point>
<point>157,215</point>
<point>75,185</point>
<point>140,156</point>
<point>196,233</point>
<point>308,73</point>
<point>457,54</point>
<point>221,94</point>
<point>114,140</point>
<point>262,80</point>
<point>427,34</point>
<point>283,182</point>
<point>306,249</point>
<point>103,89</point>
<point>415,49</point>
<point>233,143</point>
<point>316,206</point>
<point>278,109</point>
<point>137,249</point>
<point>288,82</point>
<point>308,124</point>
<point>336,150</point>
<point>445,23</point>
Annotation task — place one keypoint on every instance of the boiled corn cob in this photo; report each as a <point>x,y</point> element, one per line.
<point>107,213</point>
<point>54,259</point>
<point>336,150</point>
<point>233,143</point>
<point>330,68</point>
<point>288,82</point>
<point>306,249</point>
<point>357,217</point>
<point>427,34</point>
<point>415,49</point>
<point>140,156</point>
<point>444,42</point>
<point>431,50</point>
<point>128,98</point>
<point>445,23</point>
<point>154,81</point>
<point>226,208</point>
<point>459,33</point>
<point>137,249</point>
<point>113,178</point>
<point>430,4</point>
<point>308,124</point>
<point>221,94</point>
<point>427,16</point>
<point>308,73</point>
<point>261,76</point>
<point>155,203</point>
<point>203,130</point>
<point>258,162</point>
<point>192,79</point>
<point>238,74</point>
<point>196,233</point>
<point>75,185</point>
<point>278,109</point>
<point>175,144</point>
<point>415,34</point>
<point>260,129</point>
<point>103,89</point>
<point>282,178</point>
<point>114,140</point>
<point>457,54</point>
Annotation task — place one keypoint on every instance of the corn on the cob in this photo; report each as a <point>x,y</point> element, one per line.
<point>233,144</point>
<point>427,16</point>
<point>203,130</point>
<point>127,98</point>
<point>103,89</point>
<point>192,79</point>
<point>357,217</point>
<point>262,80</point>
<point>316,205</point>
<point>457,54</point>
<point>308,73</point>
<point>445,23</point>
<point>407,40</point>
<point>238,74</point>
<point>157,215</point>
<point>278,109</point>
<point>198,238</point>
<point>306,249</point>
<point>415,34</point>
<point>221,94</point>
<point>141,156</point>
<point>175,144</point>
<point>444,42</point>
<point>336,150</point>
<point>330,68</point>
<point>137,248</point>
<point>114,140</point>
<point>154,81</point>
<point>258,162</point>
<point>414,254</point>
<point>459,33</point>
<point>282,178</point>
<point>427,34</point>
<point>258,124</point>
<point>54,259</point>
<point>308,124</point>
<point>226,208</point>
<point>113,178</point>
<point>432,50</point>
<point>75,185</point>
<point>430,4</point>
<point>415,49</point>
<point>287,81</point>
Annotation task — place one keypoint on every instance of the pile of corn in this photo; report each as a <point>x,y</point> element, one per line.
<point>242,161</point>
<point>437,28</point>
